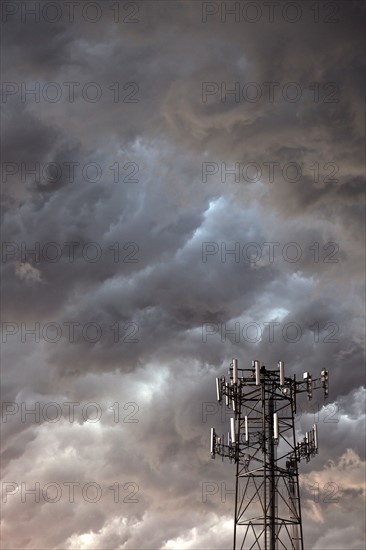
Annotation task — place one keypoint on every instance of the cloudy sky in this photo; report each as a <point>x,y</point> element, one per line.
<point>182,183</point>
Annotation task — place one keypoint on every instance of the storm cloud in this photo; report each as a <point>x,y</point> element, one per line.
<point>180,186</point>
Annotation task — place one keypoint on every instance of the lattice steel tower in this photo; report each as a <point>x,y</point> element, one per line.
<point>262,443</point>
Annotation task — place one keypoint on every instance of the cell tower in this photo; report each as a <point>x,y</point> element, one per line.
<point>262,443</point>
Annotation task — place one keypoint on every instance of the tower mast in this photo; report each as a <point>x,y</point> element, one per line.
<point>262,443</point>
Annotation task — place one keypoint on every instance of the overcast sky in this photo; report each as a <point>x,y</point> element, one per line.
<point>181,185</point>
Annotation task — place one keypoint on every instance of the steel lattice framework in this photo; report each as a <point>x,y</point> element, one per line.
<point>262,443</point>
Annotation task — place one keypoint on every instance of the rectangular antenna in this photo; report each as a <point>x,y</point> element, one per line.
<point>232,429</point>
<point>315,430</point>
<point>281,366</point>
<point>212,445</point>
<point>257,367</point>
<point>246,429</point>
<point>275,426</point>
<point>218,389</point>
<point>227,395</point>
<point>235,371</point>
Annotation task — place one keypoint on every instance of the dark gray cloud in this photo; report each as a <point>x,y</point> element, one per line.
<point>298,262</point>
